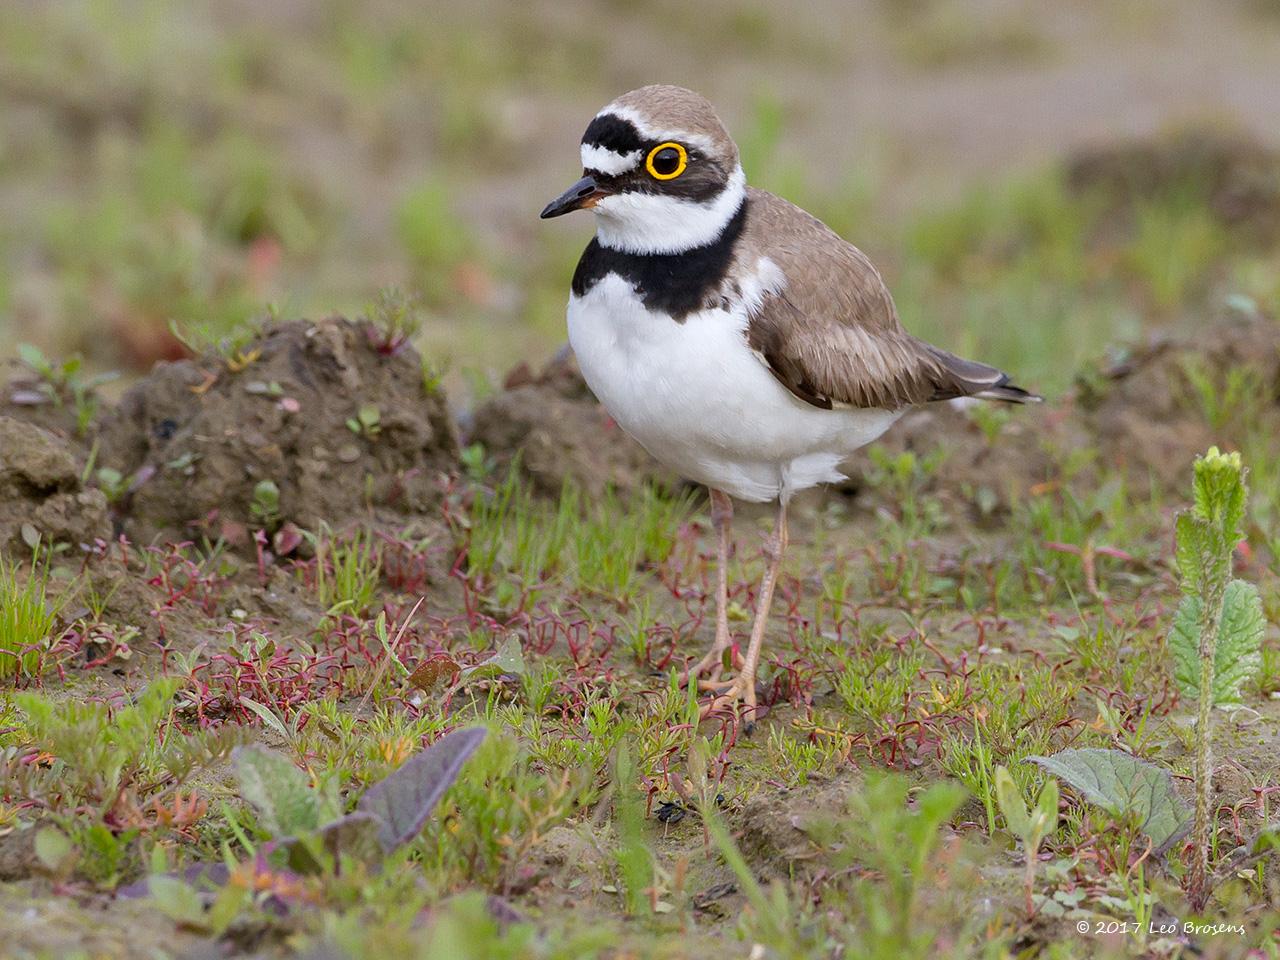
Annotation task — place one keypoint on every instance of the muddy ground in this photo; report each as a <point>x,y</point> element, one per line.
<point>195,438</point>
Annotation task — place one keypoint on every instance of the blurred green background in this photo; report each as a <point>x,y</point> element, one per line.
<point>204,162</point>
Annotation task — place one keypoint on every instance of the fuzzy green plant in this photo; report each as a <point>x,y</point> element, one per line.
<point>27,618</point>
<point>1217,631</point>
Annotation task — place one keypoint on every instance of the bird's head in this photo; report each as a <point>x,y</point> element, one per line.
<point>659,170</point>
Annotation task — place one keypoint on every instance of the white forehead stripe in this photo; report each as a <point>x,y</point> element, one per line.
<point>603,160</point>
<point>650,132</point>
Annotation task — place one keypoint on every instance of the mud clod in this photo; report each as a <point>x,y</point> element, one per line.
<point>1167,401</point>
<point>40,490</point>
<point>340,427</point>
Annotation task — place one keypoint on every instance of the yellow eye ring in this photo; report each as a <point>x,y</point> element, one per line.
<point>670,175</point>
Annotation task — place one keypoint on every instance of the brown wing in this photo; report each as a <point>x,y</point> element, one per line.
<point>831,333</point>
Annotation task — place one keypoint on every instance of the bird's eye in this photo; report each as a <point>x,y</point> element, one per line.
<point>666,161</point>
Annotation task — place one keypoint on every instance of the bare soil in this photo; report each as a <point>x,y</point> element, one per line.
<point>41,493</point>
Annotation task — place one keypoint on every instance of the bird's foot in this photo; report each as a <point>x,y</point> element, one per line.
<point>730,695</point>
<point>706,672</point>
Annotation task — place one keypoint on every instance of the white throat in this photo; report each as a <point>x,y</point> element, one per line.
<point>650,223</point>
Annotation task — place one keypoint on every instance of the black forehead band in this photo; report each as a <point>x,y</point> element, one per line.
<point>613,133</point>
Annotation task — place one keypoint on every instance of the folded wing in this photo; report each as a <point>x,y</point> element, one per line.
<point>829,331</point>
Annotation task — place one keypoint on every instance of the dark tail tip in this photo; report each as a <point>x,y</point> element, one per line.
<point>1008,393</point>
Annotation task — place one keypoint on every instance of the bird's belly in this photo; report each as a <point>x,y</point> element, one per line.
<point>696,397</point>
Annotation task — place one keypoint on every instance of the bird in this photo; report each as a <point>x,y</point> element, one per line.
<point>741,341</point>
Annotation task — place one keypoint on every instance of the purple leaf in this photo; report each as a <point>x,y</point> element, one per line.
<point>405,799</point>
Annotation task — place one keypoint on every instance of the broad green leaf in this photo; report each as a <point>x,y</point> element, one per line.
<point>32,357</point>
<point>279,791</point>
<point>1124,786</point>
<point>509,658</point>
<point>1184,645</point>
<point>1237,656</point>
<point>226,907</point>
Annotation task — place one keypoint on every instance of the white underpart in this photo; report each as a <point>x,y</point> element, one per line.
<point>637,222</point>
<point>606,161</point>
<point>697,398</point>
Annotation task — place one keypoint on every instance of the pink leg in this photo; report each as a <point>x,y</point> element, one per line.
<point>743,686</point>
<point>710,665</point>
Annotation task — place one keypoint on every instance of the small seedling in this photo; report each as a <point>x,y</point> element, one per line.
<point>113,484</point>
<point>265,506</point>
<point>232,346</point>
<point>1029,826</point>
<point>476,461</point>
<point>394,321</point>
<point>367,422</point>
<point>265,388</point>
<point>433,374</point>
<point>61,383</point>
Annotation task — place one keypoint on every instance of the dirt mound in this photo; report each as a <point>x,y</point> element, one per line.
<point>1237,176</point>
<point>339,421</point>
<point>1153,411</point>
<point>559,431</point>
<point>41,493</point>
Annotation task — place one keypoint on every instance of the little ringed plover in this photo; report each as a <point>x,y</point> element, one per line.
<point>740,340</point>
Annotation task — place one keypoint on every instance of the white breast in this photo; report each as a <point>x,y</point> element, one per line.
<point>697,398</point>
